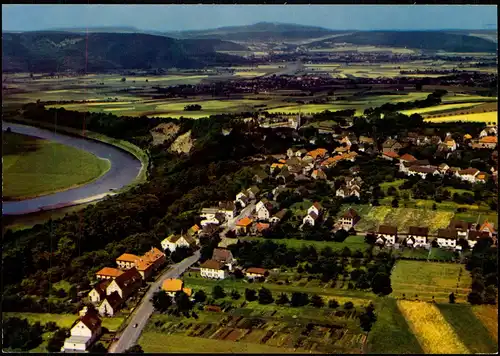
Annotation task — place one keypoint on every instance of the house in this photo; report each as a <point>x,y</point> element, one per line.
<point>354,182</point>
<point>98,293</point>
<point>151,261</point>
<point>301,153</point>
<point>84,332</point>
<point>489,142</point>
<point>126,284</point>
<point>468,174</point>
<point>407,158</point>
<point>228,209</point>
<point>345,191</point>
<point>461,227</point>
<point>387,234</point>
<point>175,241</point>
<point>275,166</point>
<point>108,273</point>
<point>417,236</point>
<point>318,174</point>
<point>225,256</point>
<point>242,198</point>
<point>213,269</point>
<point>243,225</point>
<point>349,219</point>
<point>126,261</point>
<point>310,218</point>
<point>447,238</point>
<point>276,218</point>
<point>194,231</point>
<point>209,213</point>
<point>475,236</point>
<point>110,304</point>
<point>172,286</point>
<point>390,155</point>
<point>391,145</point>
<point>261,204</point>
<point>265,211</point>
<point>260,227</point>
<point>421,171</point>
<point>342,149</point>
<point>316,208</point>
<point>450,143</point>
<point>260,177</point>
<point>488,228</point>
<point>318,153</point>
<point>252,192</point>
<point>255,272</point>
<point>291,152</point>
<point>443,168</point>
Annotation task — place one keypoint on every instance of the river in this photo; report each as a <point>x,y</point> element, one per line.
<point>124,169</point>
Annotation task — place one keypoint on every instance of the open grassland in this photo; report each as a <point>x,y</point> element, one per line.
<point>428,279</point>
<point>487,117</point>
<point>403,218</point>
<point>433,332</point>
<point>34,167</point>
<point>63,320</point>
<point>352,242</point>
<point>470,330</point>
<point>488,315</point>
<point>391,333</point>
<point>155,342</point>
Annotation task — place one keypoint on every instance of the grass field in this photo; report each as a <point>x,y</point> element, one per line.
<point>488,315</point>
<point>427,279</point>
<point>155,342</point>
<point>373,216</point>
<point>471,331</point>
<point>352,242</point>
<point>34,167</point>
<point>431,329</point>
<point>439,108</point>
<point>486,117</point>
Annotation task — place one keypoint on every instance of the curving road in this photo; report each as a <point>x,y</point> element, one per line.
<point>142,313</point>
<point>124,169</point>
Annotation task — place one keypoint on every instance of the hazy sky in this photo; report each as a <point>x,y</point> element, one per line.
<point>189,17</point>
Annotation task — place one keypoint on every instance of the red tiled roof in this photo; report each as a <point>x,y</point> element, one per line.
<point>256,270</point>
<point>391,154</point>
<point>109,272</point>
<point>244,222</point>
<point>408,157</point>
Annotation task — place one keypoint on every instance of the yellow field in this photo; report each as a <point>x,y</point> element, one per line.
<point>486,117</point>
<point>440,108</point>
<point>489,317</point>
<point>431,329</point>
<point>249,74</point>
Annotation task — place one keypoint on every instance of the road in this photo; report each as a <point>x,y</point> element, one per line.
<point>124,169</point>
<point>231,224</point>
<point>130,335</point>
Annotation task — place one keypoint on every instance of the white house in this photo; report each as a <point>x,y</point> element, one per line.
<point>213,269</point>
<point>175,241</point>
<point>468,174</point>
<point>387,234</point>
<point>225,256</point>
<point>228,209</point>
<point>417,236</point>
<point>447,238</point>
<point>265,211</point>
<point>316,208</point>
<point>461,227</point>
<point>99,291</point>
<point>209,213</point>
<point>252,192</point>
<point>310,218</point>
<point>242,198</point>
<point>110,304</point>
<point>349,219</point>
<point>84,332</point>
<point>276,218</point>
<point>255,272</point>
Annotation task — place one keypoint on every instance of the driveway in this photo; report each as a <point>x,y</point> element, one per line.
<point>130,335</point>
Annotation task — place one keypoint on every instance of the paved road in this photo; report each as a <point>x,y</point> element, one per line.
<point>124,169</point>
<point>130,335</point>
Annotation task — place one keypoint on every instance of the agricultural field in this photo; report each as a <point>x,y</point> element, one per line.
<point>431,329</point>
<point>490,118</point>
<point>438,108</point>
<point>403,218</point>
<point>365,49</point>
<point>53,166</point>
<point>428,279</point>
<point>352,242</point>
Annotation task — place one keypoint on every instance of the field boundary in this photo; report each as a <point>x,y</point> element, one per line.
<point>126,146</point>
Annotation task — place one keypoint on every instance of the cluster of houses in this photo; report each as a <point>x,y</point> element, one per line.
<point>116,285</point>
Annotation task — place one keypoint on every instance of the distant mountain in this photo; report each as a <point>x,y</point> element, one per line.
<point>424,40</point>
<point>262,31</point>
<point>59,51</point>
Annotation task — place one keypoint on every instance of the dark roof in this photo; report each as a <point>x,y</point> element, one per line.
<point>387,230</point>
<point>227,205</point>
<point>447,234</point>
<point>476,235</point>
<point>281,214</point>
<point>128,278</point>
<point>350,214</point>
<point>419,231</point>
<point>421,162</point>
<point>256,270</point>
<point>212,264</point>
<point>421,169</point>
<point>222,254</point>
<point>471,171</point>
<point>459,225</point>
<point>114,300</point>
<point>91,320</point>
<point>101,287</point>
<point>313,215</point>
<point>389,143</point>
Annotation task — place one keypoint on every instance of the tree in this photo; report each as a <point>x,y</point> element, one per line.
<point>299,299</point>
<point>182,302</point>
<point>451,297</point>
<point>218,292</point>
<point>333,304</point>
<point>370,238</point>
<point>19,334</point>
<point>136,349</point>
<point>200,296</point>
<point>434,206</point>
<point>250,295</point>
<point>381,284</point>
<point>368,318</point>
<point>317,301</point>
<point>235,294</point>
<point>490,295</point>
<point>395,203</point>
<point>348,305</point>
<point>98,348</point>
<point>123,79</point>
<point>56,342</point>
<point>475,298</point>
<point>161,301</point>
<point>282,299</point>
<point>265,296</point>
<point>51,326</point>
